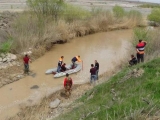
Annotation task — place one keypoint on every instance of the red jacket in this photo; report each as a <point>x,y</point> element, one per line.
<point>26,60</point>
<point>140,46</point>
<point>68,82</point>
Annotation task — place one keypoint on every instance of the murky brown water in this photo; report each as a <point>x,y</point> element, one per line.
<point>107,48</point>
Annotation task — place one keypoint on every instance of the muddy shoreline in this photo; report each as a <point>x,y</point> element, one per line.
<point>66,104</point>
<point>37,67</point>
<point>30,81</point>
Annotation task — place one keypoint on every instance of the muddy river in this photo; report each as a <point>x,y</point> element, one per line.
<point>108,48</point>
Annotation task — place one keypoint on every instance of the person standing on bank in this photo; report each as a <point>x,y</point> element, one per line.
<point>97,68</point>
<point>93,73</point>
<point>60,62</point>
<point>68,84</point>
<point>140,50</point>
<point>26,61</point>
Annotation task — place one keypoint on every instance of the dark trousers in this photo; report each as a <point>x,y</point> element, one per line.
<point>140,58</point>
<point>26,68</point>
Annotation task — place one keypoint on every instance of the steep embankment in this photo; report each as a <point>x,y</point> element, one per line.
<point>131,94</point>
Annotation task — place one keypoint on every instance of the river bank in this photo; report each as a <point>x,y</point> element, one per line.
<point>112,46</point>
<point>109,49</point>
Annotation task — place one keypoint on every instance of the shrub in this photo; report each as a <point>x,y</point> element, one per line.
<point>47,7</point>
<point>118,11</point>
<point>155,15</point>
<point>96,11</point>
<point>151,37</point>
<point>6,46</point>
<point>75,13</point>
<point>143,34</point>
<point>135,15</point>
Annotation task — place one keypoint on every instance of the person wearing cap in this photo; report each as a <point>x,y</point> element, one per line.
<point>68,84</point>
<point>26,61</point>
<point>74,59</point>
<point>60,62</point>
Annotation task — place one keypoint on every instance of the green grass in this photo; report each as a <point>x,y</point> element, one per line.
<point>135,98</point>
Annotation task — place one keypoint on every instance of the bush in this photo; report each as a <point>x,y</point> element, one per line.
<point>5,47</point>
<point>75,13</point>
<point>151,37</point>
<point>47,7</point>
<point>96,11</point>
<point>143,34</point>
<point>155,15</point>
<point>134,14</point>
<point>118,11</point>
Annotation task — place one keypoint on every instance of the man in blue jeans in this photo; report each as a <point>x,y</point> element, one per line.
<point>93,73</point>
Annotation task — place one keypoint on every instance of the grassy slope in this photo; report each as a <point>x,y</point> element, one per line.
<point>135,98</point>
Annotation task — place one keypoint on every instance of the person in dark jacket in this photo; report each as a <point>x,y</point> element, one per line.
<point>97,68</point>
<point>63,67</point>
<point>93,73</point>
<point>74,59</point>
<point>60,62</point>
<point>133,60</point>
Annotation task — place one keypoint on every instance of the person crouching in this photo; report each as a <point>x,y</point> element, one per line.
<point>133,60</point>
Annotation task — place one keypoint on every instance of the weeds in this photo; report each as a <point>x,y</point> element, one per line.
<point>152,39</point>
<point>72,13</point>
<point>118,11</point>
<point>150,6</point>
<point>47,7</point>
<point>155,15</point>
<point>38,26</point>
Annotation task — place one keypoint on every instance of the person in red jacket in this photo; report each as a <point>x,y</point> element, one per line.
<point>68,84</point>
<point>140,50</point>
<point>26,61</point>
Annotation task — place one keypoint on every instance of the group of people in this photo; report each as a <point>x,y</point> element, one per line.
<point>62,66</point>
<point>93,77</point>
<point>94,67</point>
<point>140,53</point>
